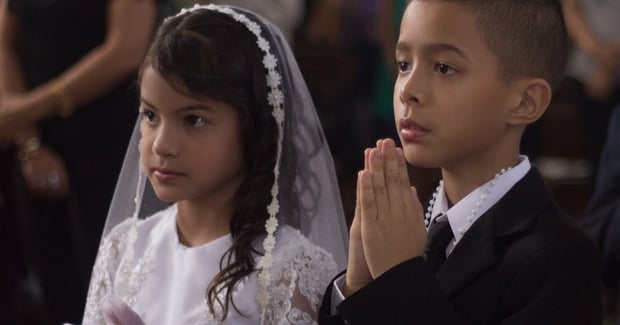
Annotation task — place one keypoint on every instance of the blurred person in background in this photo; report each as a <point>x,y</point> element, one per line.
<point>9,249</point>
<point>593,84</point>
<point>67,106</point>
<point>591,89</point>
<point>594,28</point>
<point>602,216</point>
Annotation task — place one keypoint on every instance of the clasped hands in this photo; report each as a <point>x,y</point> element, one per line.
<point>44,171</point>
<point>46,175</point>
<point>388,226</point>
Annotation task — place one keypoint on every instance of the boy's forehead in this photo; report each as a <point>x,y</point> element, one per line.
<point>441,25</point>
<point>438,17</point>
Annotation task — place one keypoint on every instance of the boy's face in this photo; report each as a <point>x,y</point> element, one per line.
<point>449,103</point>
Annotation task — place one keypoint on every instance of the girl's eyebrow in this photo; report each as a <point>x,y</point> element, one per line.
<point>192,107</point>
<point>144,101</point>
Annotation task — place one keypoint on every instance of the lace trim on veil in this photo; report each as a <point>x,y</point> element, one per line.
<point>276,100</point>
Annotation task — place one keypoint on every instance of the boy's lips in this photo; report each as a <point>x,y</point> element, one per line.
<point>411,131</point>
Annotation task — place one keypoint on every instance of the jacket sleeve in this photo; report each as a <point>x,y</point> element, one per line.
<point>386,298</point>
<point>560,284</point>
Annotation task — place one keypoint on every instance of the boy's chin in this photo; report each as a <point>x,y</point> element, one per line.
<point>417,159</point>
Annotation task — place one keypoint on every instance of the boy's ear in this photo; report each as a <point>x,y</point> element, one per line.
<point>534,96</point>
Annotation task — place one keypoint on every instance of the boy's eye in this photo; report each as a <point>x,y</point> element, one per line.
<point>403,66</point>
<point>195,121</point>
<point>150,116</point>
<point>445,69</point>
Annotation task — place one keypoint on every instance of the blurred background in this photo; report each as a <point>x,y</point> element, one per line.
<point>345,49</point>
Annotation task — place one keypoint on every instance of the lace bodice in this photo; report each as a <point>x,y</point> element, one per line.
<point>166,282</point>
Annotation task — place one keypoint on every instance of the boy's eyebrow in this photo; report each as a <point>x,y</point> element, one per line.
<point>185,108</point>
<point>433,48</point>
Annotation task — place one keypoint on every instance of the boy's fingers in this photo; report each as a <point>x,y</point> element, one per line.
<point>410,193</point>
<point>405,186</point>
<point>357,274</point>
<point>392,175</point>
<point>368,207</point>
<point>378,180</point>
<point>357,197</point>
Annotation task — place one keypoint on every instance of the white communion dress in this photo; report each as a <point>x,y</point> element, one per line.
<point>165,282</point>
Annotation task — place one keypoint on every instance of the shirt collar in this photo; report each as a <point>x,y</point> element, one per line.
<point>459,214</point>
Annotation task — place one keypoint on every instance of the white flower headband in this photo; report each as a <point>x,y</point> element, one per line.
<point>276,100</point>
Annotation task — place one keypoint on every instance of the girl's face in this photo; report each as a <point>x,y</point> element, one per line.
<point>190,148</point>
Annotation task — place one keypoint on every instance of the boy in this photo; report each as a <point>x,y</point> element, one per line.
<point>472,75</point>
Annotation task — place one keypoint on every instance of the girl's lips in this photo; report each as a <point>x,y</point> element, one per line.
<point>411,131</point>
<point>166,175</point>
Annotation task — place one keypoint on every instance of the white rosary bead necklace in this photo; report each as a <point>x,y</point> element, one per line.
<point>474,211</point>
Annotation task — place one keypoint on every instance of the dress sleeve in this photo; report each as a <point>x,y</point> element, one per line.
<point>102,278</point>
<point>300,275</point>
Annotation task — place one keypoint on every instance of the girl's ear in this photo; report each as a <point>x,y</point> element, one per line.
<point>533,100</point>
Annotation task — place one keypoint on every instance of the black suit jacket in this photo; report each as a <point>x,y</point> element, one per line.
<point>523,262</point>
<point>602,217</point>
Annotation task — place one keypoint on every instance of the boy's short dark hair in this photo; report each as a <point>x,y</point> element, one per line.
<point>528,37</point>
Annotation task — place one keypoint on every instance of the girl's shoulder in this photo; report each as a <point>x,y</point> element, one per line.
<point>299,275</point>
<point>291,244</point>
<point>144,227</point>
<point>289,237</point>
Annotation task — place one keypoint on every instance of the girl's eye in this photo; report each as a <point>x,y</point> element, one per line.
<point>150,117</point>
<point>403,66</point>
<point>444,69</point>
<point>195,121</point>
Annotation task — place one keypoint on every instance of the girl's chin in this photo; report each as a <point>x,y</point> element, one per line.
<point>167,196</point>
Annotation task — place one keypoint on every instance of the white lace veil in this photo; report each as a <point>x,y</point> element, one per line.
<point>306,194</point>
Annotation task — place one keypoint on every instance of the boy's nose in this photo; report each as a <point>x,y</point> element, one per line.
<point>405,97</point>
<point>412,88</point>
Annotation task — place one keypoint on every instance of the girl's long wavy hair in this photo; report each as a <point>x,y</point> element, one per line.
<point>208,54</point>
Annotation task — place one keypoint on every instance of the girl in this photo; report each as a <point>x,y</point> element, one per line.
<point>229,134</point>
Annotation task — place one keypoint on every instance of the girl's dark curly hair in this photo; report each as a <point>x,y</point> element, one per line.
<point>208,54</point>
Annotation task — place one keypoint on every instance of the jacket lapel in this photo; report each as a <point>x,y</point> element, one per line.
<point>476,251</point>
